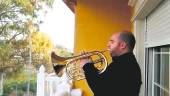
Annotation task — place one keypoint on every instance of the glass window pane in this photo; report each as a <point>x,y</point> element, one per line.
<point>157,65</point>
<point>149,64</point>
<point>164,93</point>
<point>156,91</point>
<point>158,62</point>
<point>165,69</point>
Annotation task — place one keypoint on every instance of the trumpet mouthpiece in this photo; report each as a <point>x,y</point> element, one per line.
<point>108,49</point>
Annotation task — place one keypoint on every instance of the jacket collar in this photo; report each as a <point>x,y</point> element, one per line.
<point>122,57</point>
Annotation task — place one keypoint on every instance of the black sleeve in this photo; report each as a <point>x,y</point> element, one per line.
<point>92,76</point>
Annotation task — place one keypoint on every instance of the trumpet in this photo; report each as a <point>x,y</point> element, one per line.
<point>72,66</point>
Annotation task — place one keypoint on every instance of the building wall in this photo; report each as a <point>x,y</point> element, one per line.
<point>139,29</point>
<point>96,20</point>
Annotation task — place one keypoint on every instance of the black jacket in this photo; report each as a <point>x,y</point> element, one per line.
<point>121,78</point>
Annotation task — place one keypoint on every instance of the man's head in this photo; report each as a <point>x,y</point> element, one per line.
<point>121,42</point>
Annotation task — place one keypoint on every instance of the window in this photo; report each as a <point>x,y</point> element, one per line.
<point>157,73</point>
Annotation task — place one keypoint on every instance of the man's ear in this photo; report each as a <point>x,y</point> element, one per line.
<point>123,45</point>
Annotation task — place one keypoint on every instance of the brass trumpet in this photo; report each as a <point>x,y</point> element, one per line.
<point>73,69</point>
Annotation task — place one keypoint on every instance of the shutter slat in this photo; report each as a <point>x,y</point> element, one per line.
<point>158,26</point>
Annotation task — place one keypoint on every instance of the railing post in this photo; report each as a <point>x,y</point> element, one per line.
<point>1,83</point>
<point>52,85</point>
<point>41,81</point>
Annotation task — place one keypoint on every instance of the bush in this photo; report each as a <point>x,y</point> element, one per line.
<point>17,86</point>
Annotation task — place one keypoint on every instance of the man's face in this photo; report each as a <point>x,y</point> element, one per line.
<point>114,45</point>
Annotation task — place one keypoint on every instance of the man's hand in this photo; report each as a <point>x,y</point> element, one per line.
<point>84,60</point>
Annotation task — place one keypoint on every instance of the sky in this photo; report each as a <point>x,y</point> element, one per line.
<point>58,23</point>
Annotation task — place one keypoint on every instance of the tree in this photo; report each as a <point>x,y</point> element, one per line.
<point>15,18</point>
<point>41,49</point>
<point>63,52</point>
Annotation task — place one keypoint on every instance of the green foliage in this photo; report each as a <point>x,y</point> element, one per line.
<point>61,51</point>
<point>5,54</point>
<point>17,84</point>
<point>17,18</point>
<point>19,88</point>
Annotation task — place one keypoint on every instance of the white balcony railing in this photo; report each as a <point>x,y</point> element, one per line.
<point>52,85</point>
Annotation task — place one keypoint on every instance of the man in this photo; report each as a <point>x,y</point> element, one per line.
<point>123,76</point>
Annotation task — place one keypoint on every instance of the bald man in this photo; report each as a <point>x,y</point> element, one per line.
<point>123,76</point>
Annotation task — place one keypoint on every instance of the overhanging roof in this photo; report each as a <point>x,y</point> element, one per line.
<point>71,4</point>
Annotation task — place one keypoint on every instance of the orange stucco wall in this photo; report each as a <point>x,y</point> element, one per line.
<point>95,21</point>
